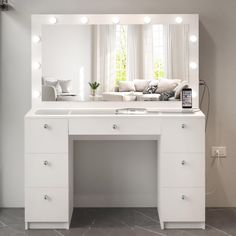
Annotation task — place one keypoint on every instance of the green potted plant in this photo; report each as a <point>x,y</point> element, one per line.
<point>94,86</point>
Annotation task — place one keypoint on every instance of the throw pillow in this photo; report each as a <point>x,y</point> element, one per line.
<point>166,95</point>
<point>166,85</point>
<point>54,84</point>
<point>126,86</point>
<point>150,89</point>
<point>66,86</point>
<point>141,84</point>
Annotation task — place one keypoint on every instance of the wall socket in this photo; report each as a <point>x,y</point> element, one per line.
<point>218,152</point>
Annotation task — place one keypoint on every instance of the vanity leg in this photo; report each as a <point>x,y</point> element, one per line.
<point>26,226</point>
<point>162,224</point>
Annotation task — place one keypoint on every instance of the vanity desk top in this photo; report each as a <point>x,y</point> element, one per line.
<point>73,113</point>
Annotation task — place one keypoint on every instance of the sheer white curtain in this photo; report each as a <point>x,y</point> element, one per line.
<point>148,64</point>
<point>105,56</point>
<point>176,51</point>
<point>134,52</point>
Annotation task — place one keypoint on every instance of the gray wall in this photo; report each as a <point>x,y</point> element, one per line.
<point>217,67</point>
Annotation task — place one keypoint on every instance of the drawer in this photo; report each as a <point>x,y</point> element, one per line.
<point>46,171</point>
<point>46,205</point>
<point>182,170</point>
<point>183,204</point>
<point>46,135</point>
<point>183,135</point>
<point>115,126</point>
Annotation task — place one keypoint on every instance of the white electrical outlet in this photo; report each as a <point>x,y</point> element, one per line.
<point>218,151</point>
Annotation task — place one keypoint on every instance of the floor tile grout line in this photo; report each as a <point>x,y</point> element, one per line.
<point>3,224</point>
<point>58,232</point>
<point>147,216</point>
<point>149,230</point>
<point>222,231</point>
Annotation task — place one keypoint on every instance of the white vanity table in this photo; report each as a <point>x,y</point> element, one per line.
<point>49,162</point>
<point>51,127</point>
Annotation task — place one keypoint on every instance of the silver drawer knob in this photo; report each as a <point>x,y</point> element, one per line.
<point>115,126</point>
<point>46,197</point>
<point>183,126</point>
<point>183,197</point>
<point>183,162</point>
<point>45,126</point>
<point>45,163</point>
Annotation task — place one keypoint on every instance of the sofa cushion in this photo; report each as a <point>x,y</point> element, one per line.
<point>126,86</point>
<point>166,85</point>
<point>141,84</point>
<point>148,97</point>
<point>66,86</point>
<point>54,84</point>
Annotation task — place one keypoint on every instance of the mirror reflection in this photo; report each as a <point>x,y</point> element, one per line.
<point>114,62</point>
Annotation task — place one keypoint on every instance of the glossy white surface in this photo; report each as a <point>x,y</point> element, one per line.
<point>180,169</point>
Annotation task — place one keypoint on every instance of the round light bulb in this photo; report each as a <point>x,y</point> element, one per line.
<point>52,20</point>
<point>36,39</point>
<point>36,65</point>
<point>193,65</point>
<point>147,20</point>
<point>84,20</point>
<point>178,20</point>
<point>36,94</point>
<point>193,38</point>
<point>116,20</point>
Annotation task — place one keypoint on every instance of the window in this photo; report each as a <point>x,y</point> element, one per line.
<point>158,51</point>
<point>121,53</point>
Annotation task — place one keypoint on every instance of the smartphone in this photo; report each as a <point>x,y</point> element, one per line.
<point>187,98</point>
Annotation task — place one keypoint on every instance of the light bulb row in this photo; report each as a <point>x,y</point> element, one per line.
<point>115,20</point>
<point>36,65</point>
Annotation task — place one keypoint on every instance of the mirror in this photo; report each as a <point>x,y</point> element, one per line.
<point>114,62</point>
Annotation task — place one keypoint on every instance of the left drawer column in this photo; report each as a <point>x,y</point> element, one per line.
<point>46,173</point>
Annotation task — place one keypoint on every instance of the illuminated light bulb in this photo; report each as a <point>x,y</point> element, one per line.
<point>36,94</point>
<point>193,65</point>
<point>84,20</point>
<point>147,20</point>
<point>193,38</point>
<point>116,20</point>
<point>52,20</point>
<point>36,65</point>
<point>36,39</point>
<point>178,20</point>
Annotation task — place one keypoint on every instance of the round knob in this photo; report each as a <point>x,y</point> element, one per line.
<point>183,162</point>
<point>115,126</point>
<point>183,126</point>
<point>45,163</point>
<point>45,126</point>
<point>46,197</point>
<point>183,197</point>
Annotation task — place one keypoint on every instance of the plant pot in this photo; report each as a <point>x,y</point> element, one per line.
<point>93,92</point>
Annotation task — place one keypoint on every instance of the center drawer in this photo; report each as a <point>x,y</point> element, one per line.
<point>46,170</point>
<point>114,126</point>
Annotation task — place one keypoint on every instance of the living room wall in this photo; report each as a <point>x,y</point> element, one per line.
<point>217,67</point>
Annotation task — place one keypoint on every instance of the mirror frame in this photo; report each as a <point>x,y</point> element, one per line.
<point>37,21</point>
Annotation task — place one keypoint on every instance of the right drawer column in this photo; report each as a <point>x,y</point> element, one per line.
<point>181,173</point>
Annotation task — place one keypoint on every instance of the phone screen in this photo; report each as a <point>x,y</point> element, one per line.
<point>187,98</point>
